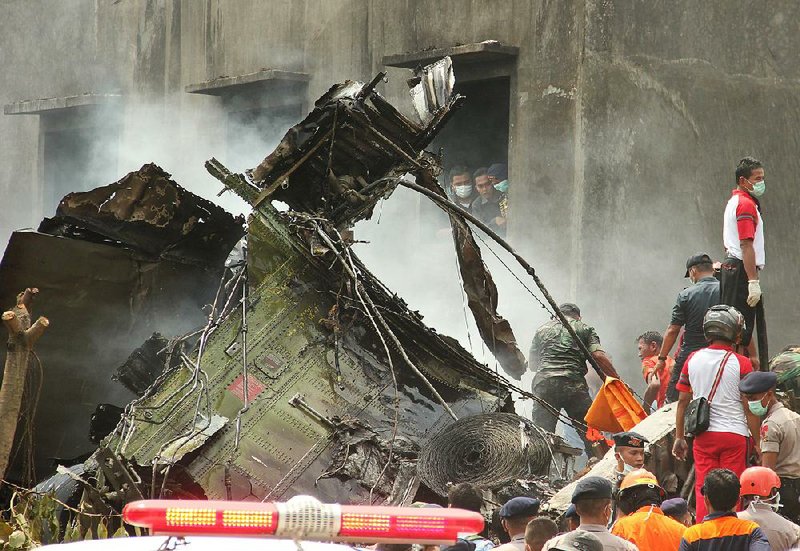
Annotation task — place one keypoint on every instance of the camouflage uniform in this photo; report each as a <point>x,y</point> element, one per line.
<point>560,367</point>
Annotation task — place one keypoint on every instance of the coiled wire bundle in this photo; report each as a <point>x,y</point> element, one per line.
<point>487,450</point>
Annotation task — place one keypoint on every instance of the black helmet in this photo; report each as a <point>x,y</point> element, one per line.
<point>724,323</point>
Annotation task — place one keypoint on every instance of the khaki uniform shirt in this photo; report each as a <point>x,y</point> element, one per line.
<point>609,540</point>
<point>782,533</point>
<point>780,432</point>
<point>517,543</point>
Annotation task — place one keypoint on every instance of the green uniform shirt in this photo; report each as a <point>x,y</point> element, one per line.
<point>554,354</point>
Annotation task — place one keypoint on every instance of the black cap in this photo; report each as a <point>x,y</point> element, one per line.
<point>577,540</point>
<point>520,507</point>
<point>569,309</point>
<point>572,512</point>
<point>592,487</point>
<point>758,382</point>
<point>675,507</point>
<point>499,171</point>
<point>695,259</point>
<point>630,440</point>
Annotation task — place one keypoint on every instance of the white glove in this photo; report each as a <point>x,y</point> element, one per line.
<point>753,292</point>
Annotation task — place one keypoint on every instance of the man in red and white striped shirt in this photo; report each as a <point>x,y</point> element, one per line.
<point>743,237</point>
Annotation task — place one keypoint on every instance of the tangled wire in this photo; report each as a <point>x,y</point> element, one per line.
<point>488,450</point>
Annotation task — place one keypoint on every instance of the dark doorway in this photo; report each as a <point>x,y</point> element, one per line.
<point>477,135</point>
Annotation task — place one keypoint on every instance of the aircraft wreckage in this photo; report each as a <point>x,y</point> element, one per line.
<point>276,365</point>
<point>273,362</point>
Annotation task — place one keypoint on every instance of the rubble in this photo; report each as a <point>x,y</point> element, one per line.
<point>115,264</point>
<point>304,374</point>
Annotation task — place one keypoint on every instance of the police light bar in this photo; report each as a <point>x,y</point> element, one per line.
<point>303,517</point>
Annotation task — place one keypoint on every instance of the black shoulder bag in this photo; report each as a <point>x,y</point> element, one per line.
<point>698,412</point>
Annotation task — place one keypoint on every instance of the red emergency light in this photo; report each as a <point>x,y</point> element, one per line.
<point>304,517</point>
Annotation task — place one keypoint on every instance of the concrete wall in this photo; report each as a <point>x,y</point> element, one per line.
<point>627,119</point>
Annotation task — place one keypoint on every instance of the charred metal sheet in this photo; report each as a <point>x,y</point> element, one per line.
<point>341,159</point>
<point>103,421</point>
<point>145,364</point>
<point>293,347</point>
<point>119,262</point>
<point>196,435</point>
<point>149,212</point>
<point>431,88</point>
<point>481,291</point>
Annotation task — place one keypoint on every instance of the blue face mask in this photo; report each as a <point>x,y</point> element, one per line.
<point>502,187</point>
<point>757,408</point>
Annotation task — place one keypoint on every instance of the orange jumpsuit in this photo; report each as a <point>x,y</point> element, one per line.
<point>650,530</point>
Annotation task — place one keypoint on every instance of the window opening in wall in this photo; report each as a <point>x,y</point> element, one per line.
<point>475,144</point>
<point>80,149</point>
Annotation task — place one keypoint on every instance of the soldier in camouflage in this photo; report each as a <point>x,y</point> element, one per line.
<point>560,368</point>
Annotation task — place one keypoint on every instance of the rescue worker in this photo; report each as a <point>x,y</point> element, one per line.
<point>649,346</point>
<point>498,177</point>
<point>760,501</point>
<point>714,373</point>
<point>538,532</point>
<point>486,207</point>
<point>592,499</point>
<point>560,368</point>
<point>779,435</point>
<point>466,496</point>
<point>571,518</point>
<point>514,517</point>
<point>688,313</point>
<point>743,238</point>
<point>578,540</point>
<point>629,452</point>
<point>722,529</point>
<point>645,524</point>
<point>461,191</point>
<point>678,509</point>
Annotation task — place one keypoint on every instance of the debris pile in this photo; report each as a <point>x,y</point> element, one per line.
<point>303,374</point>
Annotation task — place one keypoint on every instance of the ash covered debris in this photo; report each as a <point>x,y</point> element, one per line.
<point>307,375</point>
<point>115,264</point>
<point>149,212</point>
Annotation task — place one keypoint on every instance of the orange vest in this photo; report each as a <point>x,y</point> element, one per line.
<point>650,530</point>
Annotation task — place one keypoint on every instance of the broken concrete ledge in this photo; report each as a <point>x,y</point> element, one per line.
<point>222,85</point>
<point>39,106</point>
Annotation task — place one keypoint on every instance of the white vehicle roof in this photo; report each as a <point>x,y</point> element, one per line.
<point>196,543</point>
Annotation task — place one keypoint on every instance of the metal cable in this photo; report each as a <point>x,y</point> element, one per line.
<point>487,450</point>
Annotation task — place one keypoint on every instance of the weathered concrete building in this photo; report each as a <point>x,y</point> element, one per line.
<point>621,120</point>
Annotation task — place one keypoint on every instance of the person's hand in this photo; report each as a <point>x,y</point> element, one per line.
<point>756,363</point>
<point>757,453</point>
<point>753,292</point>
<point>654,383</point>
<point>680,449</point>
<point>660,365</point>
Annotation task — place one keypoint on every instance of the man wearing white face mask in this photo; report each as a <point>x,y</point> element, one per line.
<point>461,192</point>
<point>760,500</point>
<point>743,238</point>
<point>780,436</point>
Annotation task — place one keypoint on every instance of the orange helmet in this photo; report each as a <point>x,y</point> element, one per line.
<point>640,477</point>
<point>759,481</point>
